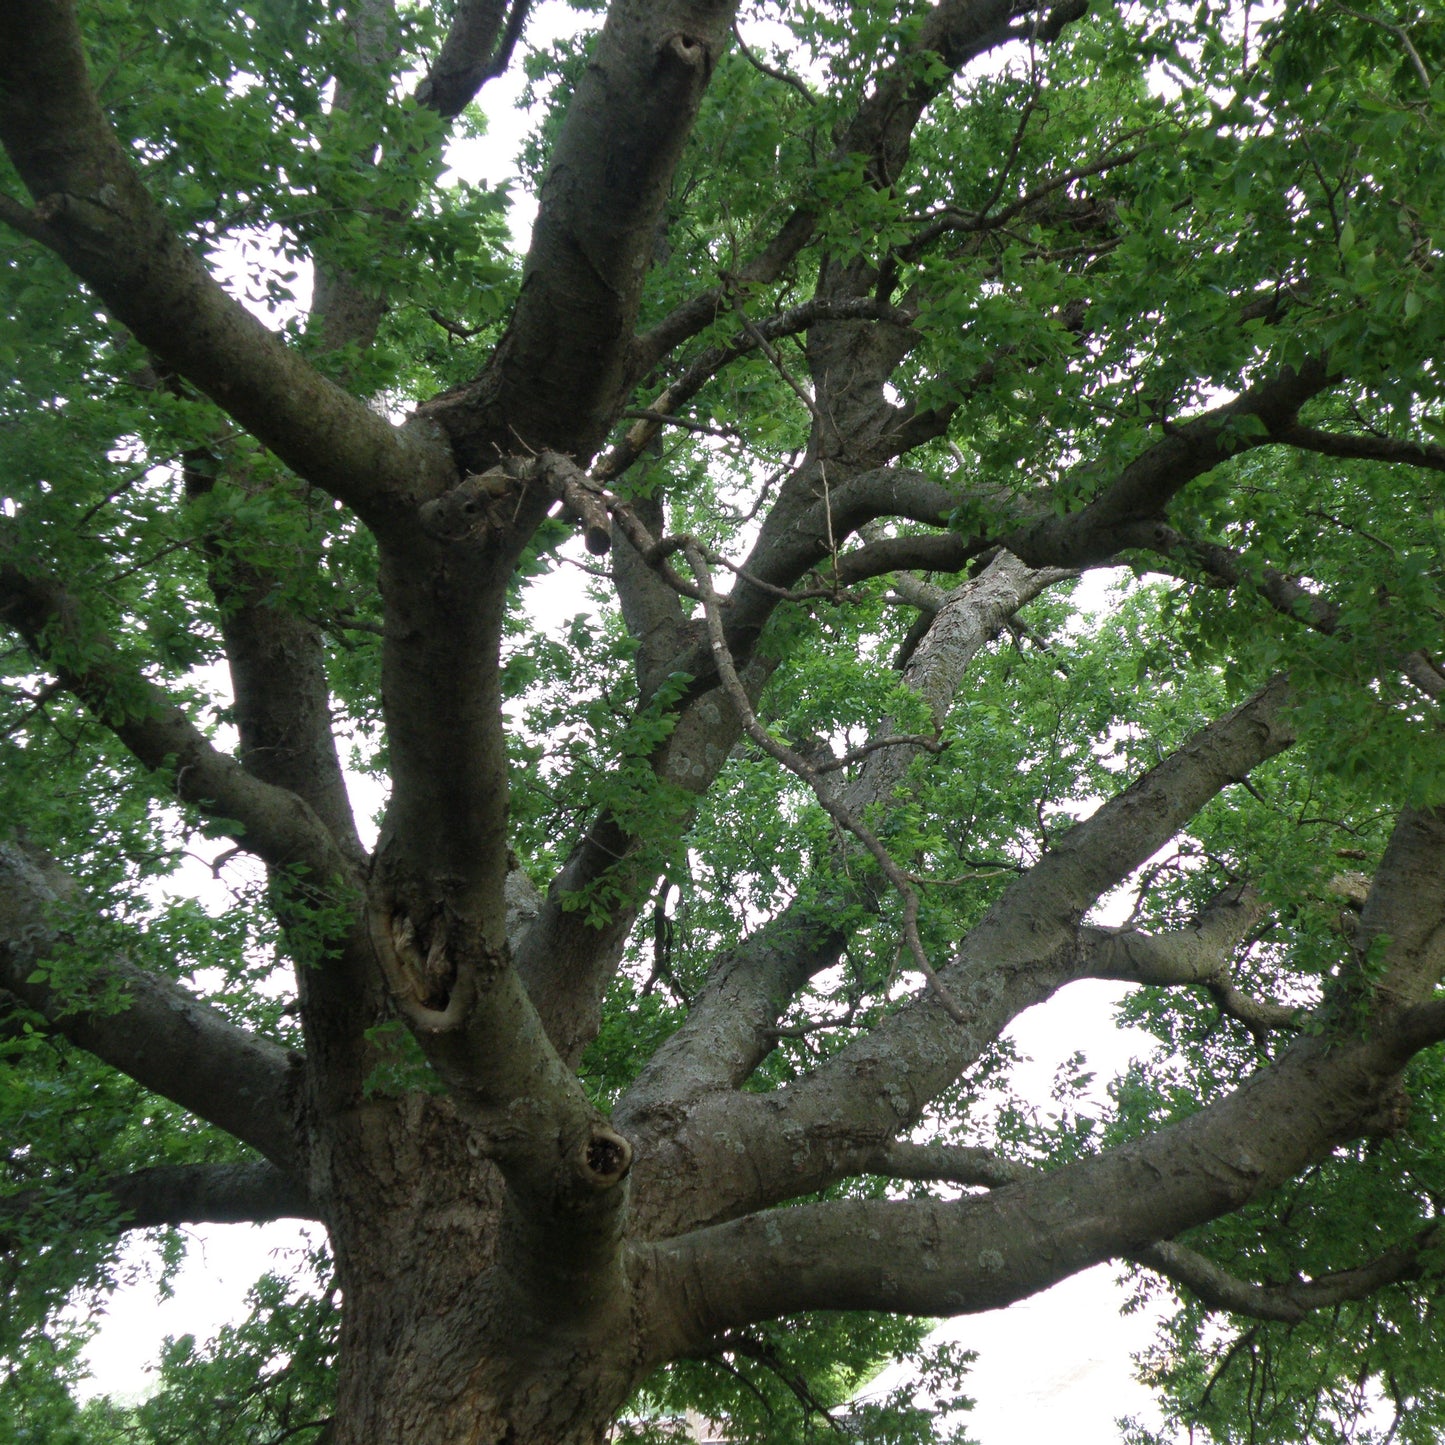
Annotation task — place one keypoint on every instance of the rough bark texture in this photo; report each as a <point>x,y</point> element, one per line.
<point>514,1259</point>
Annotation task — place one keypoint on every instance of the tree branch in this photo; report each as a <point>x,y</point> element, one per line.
<point>267,820</point>
<point>560,373</point>
<point>173,1194</point>
<point>1364,448</point>
<point>831,804</point>
<point>947,1164</point>
<point>933,1257</point>
<point>730,1028</point>
<point>1293,1300</point>
<point>1018,955</point>
<point>166,1040</point>
<point>1197,955</point>
<point>277,664</point>
<point>753,336</point>
<point>1288,595</point>
<point>948,37</point>
<point>1126,512</point>
<point>98,217</point>
<point>478,48</point>
<point>1402,923</point>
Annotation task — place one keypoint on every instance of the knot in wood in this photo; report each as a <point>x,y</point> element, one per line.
<point>692,50</point>
<point>607,1157</point>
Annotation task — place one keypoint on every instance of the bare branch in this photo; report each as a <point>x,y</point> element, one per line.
<point>831,804</point>
<point>948,1164</point>
<point>772,72</point>
<point>701,370</point>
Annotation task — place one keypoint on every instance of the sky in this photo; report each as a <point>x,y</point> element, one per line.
<point>1057,1367</point>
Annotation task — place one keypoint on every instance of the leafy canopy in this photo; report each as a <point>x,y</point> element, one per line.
<point>1094,241</point>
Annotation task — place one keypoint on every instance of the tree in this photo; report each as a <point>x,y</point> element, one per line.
<point>655,1042</point>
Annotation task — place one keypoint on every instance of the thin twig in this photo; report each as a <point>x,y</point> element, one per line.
<point>928,742</point>
<point>771,71</point>
<point>662,418</point>
<point>653,553</point>
<point>800,767</point>
<point>1400,34</point>
<point>771,351</point>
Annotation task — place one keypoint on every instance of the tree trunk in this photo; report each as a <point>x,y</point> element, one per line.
<point>464,1323</point>
<point>410,1375</point>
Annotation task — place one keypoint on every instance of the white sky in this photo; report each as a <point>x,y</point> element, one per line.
<point>1053,1368</point>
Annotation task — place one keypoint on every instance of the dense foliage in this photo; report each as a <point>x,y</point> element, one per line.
<point>753,697</point>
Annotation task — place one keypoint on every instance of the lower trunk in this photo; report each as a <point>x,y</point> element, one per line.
<point>455,1330</point>
<point>418,1381</point>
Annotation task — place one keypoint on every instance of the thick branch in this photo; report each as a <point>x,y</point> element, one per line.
<point>160,1035</point>
<point>1187,955</point>
<point>478,48</point>
<point>1365,448</point>
<point>277,663</point>
<point>945,1258</point>
<point>560,374</point>
<point>754,335</point>
<point>957,1164</point>
<point>1123,512</point>
<point>95,214</point>
<point>1127,512</point>
<point>729,1029</point>
<point>1018,955</point>
<point>651,609</point>
<point>174,1194</point>
<point>1403,920</point>
<point>1197,955</point>
<point>936,1258</point>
